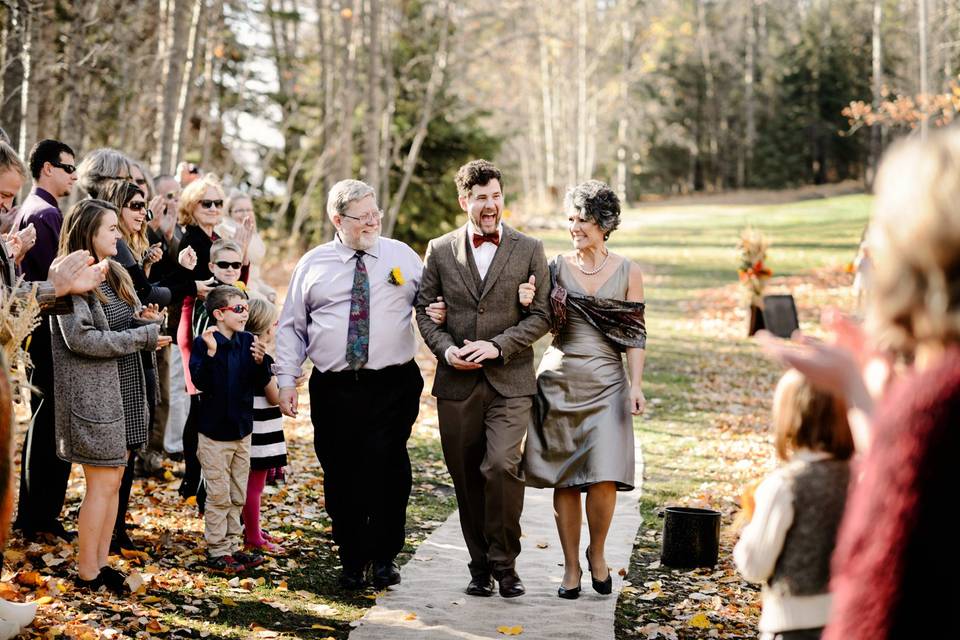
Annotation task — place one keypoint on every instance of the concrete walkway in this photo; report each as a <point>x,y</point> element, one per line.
<point>430,603</point>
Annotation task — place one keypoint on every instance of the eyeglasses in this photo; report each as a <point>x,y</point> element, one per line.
<point>141,182</point>
<point>223,264</point>
<point>139,205</point>
<point>366,218</point>
<point>237,308</point>
<point>67,168</point>
<point>170,195</point>
<point>210,204</point>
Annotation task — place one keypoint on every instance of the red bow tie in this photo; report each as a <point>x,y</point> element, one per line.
<point>493,238</point>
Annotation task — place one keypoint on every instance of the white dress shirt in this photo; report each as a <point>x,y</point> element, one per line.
<point>316,313</point>
<point>482,255</point>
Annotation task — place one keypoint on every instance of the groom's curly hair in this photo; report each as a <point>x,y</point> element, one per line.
<point>477,172</point>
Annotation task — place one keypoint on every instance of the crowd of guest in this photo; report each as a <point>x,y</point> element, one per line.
<point>135,263</point>
<point>846,537</point>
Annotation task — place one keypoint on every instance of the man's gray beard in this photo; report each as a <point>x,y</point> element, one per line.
<point>362,243</point>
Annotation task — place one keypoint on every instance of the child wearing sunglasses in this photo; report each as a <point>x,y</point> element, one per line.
<point>227,269</point>
<point>230,367</point>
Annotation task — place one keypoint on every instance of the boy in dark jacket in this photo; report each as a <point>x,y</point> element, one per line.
<point>228,365</point>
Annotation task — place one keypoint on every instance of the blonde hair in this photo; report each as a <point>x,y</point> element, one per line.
<point>192,195</point>
<point>806,417</point>
<point>914,241</point>
<point>262,315</point>
<point>222,245</point>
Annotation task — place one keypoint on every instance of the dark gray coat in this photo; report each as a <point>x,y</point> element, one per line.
<point>89,408</point>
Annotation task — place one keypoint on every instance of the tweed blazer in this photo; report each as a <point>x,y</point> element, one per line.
<point>486,309</point>
<point>86,382</point>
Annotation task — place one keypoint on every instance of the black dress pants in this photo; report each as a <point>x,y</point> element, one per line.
<point>43,475</point>
<point>361,422</point>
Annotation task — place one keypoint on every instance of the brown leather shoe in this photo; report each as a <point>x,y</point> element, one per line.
<point>481,585</point>
<point>510,584</point>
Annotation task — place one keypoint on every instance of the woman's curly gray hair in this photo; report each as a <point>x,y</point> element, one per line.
<point>596,201</point>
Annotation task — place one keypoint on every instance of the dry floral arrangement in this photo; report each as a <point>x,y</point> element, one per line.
<point>753,271</point>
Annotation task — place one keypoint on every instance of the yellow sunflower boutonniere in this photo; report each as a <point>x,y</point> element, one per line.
<point>396,277</point>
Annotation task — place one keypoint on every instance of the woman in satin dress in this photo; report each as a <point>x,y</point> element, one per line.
<point>581,438</point>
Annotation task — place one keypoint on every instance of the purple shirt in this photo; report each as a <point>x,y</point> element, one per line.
<point>316,313</point>
<point>41,209</point>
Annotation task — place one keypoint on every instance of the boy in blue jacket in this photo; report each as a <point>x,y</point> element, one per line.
<point>228,365</point>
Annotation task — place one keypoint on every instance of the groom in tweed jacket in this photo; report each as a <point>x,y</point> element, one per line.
<point>485,379</point>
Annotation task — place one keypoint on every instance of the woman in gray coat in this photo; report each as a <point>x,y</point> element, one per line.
<point>99,387</point>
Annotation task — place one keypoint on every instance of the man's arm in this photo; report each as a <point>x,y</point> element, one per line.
<point>47,224</point>
<point>431,286</point>
<point>291,348</point>
<point>535,323</point>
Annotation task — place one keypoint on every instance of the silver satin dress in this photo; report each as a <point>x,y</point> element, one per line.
<point>582,429</point>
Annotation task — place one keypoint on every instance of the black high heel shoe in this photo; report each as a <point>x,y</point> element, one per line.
<point>573,592</point>
<point>603,587</point>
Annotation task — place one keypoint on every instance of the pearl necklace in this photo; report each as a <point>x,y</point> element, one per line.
<point>603,263</point>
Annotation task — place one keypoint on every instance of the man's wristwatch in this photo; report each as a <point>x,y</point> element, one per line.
<point>499,350</point>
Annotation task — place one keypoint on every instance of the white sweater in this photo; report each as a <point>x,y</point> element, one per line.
<point>760,545</point>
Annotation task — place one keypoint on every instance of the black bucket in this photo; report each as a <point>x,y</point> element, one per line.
<point>691,538</point>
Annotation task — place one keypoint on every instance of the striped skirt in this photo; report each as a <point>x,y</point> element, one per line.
<point>268,449</point>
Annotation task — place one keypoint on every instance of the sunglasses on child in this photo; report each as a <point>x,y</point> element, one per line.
<point>209,204</point>
<point>223,264</point>
<point>237,308</point>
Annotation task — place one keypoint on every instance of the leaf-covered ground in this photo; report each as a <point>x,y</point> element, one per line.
<point>294,595</point>
<point>704,436</point>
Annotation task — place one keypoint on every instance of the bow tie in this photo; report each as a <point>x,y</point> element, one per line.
<point>493,238</point>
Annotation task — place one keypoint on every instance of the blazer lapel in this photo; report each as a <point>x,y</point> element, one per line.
<point>465,263</point>
<point>500,258</point>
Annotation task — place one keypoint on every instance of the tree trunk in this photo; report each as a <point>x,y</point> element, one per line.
<point>14,34</point>
<point>374,110</point>
<point>582,107</point>
<point>186,82</point>
<point>876,131</point>
<point>211,127</point>
<point>924,91</point>
<point>745,164</point>
<point>546,85</point>
<point>437,76</point>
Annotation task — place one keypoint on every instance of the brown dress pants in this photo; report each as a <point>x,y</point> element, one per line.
<point>482,437</point>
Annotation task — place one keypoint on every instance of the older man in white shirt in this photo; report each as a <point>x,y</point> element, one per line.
<point>349,308</point>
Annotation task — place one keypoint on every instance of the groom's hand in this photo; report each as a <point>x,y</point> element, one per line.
<point>457,362</point>
<point>479,350</point>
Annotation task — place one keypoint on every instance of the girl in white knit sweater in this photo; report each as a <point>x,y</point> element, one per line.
<point>788,542</point>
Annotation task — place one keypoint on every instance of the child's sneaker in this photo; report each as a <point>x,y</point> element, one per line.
<point>268,547</point>
<point>225,564</point>
<point>248,560</point>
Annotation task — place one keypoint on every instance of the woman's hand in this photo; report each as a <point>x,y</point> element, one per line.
<point>153,255</point>
<point>244,234</point>
<point>204,287</point>
<point>638,403</point>
<point>188,258</point>
<point>150,313</point>
<point>527,291</point>
<point>163,341</point>
<point>437,311</point>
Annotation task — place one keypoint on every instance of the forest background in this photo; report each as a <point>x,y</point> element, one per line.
<point>656,97</point>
